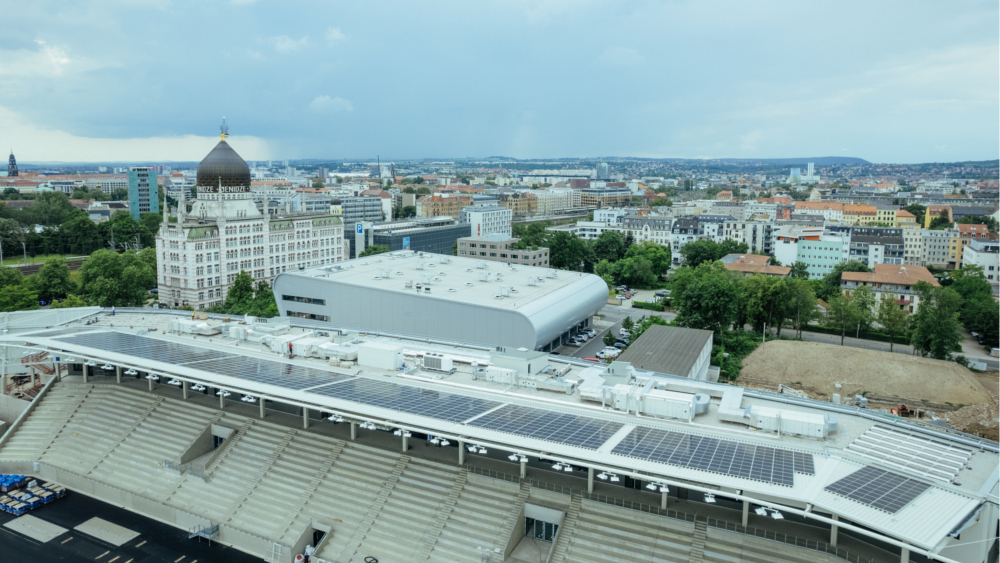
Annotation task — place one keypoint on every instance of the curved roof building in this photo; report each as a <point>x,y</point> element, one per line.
<point>446,297</point>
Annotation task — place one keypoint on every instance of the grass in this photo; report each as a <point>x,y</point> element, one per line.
<point>41,258</point>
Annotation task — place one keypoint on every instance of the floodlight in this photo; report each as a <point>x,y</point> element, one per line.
<point>131,372</point>
<point>567,468</point>
<point>406,434</point>
<point>512,457</point>
<point>107,367</point>
<point>761,511</point>
<point>153,377</point>
<point>482,450</point>
<point>614,479</point>
<point>557,466</point>
<point>70,359</point>
<point>651,486</point>
<point>173,382</point>
<point>90,364</point>
<point>445,443</point>
<point>398,433</point>
<point>777,515</point>
<point>472,449</point>
<point>524,459</point>
<point>664,489</point>
<point>709,498</point>
<point>602,476</point>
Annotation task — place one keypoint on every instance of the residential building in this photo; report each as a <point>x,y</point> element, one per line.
<point>734,209</point>
<point>913,247</point>
<point>750,264</point>
<point>906,220</point>
<point>940,248</point>
<point>605,197</point>
<point>957,212</point>
<point>520,204</point>
<point>603,171</point>
<point>758,235</point>
<point>555,200</point>
<point>860,214</point>
<point>653,229</point>
<point>757,211</point>
<point>831,210</point>
<point>358,208</point>
<point>689,229</point>
<point>200,255</point>
<point>877,245</point>
<point>487,220</point>
<point>724,195</point>
<point>984,253</point>
<point>501,248</point>
<point>587,230</point>
<point>891,281</point>
<point>885,214</point>
<point>143,193</point>
<point>967,233</point>
<point>934,211</point>
<point>440,205</point>
<point>612,215</point>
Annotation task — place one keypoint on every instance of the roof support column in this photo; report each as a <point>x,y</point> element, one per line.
<point>85,377</point>
<point>222,399</point>
<point>150,385</point>
<point>590,480</point>
<point>904,556</point>
<point>354,430</point>
<point>184,390</point>
<point>461,452</point>
<point>663,499</point>
<point>305,418</point>
<point>118,374</point>
<point>833,532</point>
<point>261,402</point>
<point>746,512</point>
<point>524,467</point>
<point>404,443</point>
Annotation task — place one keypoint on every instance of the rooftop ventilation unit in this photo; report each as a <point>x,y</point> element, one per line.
<point>484,276</point>
<point>420,265</point>
<point>481,265</point>
<point>409,284</point>
<point>425,279</point>
<point>550,273</point>
<point>532,281</point>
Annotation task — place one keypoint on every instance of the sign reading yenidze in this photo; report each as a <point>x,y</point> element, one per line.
<point>224,189</point>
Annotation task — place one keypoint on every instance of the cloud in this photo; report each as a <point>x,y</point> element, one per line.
<point>285,44</point>
<point>620,56</point>
<point>37,144</point>
<point>334,35</point>
<point>46,60</point>
<point>326,104</point>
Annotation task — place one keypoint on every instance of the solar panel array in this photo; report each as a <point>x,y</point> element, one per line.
<point>280,374</point>
<point>878,489</point>
<point>761,463</point>
<point>580,431</point>
<point>410,400</point>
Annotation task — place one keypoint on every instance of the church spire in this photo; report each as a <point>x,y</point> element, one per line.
<point>12,165</point>
<point>224,129</point>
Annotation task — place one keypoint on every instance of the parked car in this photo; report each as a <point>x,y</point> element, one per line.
<point>592,359</point>
<point>574,343</point>
<point>591,332</point>
<point>622,332</point>
<point>621,296</point>
<point>620,345</point>
<point>155,290</point>
<point>43,303</point>
<point>609,352</point>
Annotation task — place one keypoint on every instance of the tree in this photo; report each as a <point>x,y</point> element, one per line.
<point>763,300</point>
<point>11,235</point>
<point>891,317</point>
<point>70,301</point>
<point>940,223</point>
<point>17,298</point>
<point>404,212</point>
<point>53,279</point>
<point>831,281</point>
<point>661,202</point>
<point>609,246</point>
<point>800,304</point>
<point>708,300</point>
<point>918,211</point>
<point>609,338</point>
<point>799,270</point>
<point>867,303</point>
<point>111,279</point>
<point>567,252</point>
<point>935,324</point>
<point>374,249</point>
<point>10,276</point>
<point>843,315</point>
<point>318,184</point>
<point>698,252</point>
<point>239,298</point>
<point>152,222</point>
<point>657,255</point>
<point>263,304</point>
<point>730,246</point>
<point>627,323</point>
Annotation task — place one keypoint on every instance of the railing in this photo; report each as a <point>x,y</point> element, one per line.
<point>640,507</point>
<point>813,545</point>
<point>493,474</point>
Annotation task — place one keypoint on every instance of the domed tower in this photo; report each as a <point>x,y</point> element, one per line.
<point>224,184</point>
<point>12,165</point>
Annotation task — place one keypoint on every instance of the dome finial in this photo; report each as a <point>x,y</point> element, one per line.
<point>224,128</point>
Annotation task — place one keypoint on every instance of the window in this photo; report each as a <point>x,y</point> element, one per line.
<point>308,300</point>
<point>309,316</point>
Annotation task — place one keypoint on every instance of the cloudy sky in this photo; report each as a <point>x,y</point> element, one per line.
<point>907,81</point>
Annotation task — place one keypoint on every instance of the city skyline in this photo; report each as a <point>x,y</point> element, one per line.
<point>887,83</point>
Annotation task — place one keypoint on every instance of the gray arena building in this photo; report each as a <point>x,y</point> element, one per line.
<point>446,297</point>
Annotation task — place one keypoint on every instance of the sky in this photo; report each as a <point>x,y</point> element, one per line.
<point>150,80</point>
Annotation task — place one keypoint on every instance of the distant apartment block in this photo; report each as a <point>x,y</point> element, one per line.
<point>143,193</point>
<point>500,248</point>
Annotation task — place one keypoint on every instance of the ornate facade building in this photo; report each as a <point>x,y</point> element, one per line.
<point>199,255</point>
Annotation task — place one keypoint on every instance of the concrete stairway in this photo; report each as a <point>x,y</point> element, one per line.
<point>567,531</point>
<point>357,545</point>
<point>122,433</point>
<point>306,451</point>
<point>473,523</point>
<point>698,541</point>
<point>722,546</point>
<point>512,519</point>
<point>445,509</point>
<point>255,512</point>
<point>44,423</point>
<point>608,534</point>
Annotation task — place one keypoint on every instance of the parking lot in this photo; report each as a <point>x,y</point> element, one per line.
<point>611,319</point>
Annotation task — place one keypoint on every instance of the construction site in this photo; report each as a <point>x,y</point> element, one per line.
<point>286,441</point>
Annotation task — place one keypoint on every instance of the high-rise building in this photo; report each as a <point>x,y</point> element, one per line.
<point>12,165</point>
<point>143,193</point>
<point>603,171</point>
<point>199,256</point>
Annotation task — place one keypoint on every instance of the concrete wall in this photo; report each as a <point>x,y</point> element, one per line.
<point>11,408</point>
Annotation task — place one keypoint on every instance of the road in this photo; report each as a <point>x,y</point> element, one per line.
<point>991,363</point>
<point>611,314</point>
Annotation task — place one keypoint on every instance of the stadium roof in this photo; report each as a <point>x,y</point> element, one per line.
<point>913,500</point>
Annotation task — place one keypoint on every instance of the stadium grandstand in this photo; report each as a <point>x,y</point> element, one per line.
<point>279,437</point>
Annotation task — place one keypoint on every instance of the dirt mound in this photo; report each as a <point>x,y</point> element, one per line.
<point>973,419</point>
<point>816,367</point>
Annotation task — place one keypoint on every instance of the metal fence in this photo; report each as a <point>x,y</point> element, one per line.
<point>787,539</point>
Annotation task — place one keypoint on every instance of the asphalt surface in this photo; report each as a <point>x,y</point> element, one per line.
<point>156,543</point>
<point>613,314</point>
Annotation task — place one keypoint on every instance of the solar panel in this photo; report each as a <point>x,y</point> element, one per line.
<point>718,455</point>
<point>411,400</point>
<point>878,489</point>
<point>573,430</point>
